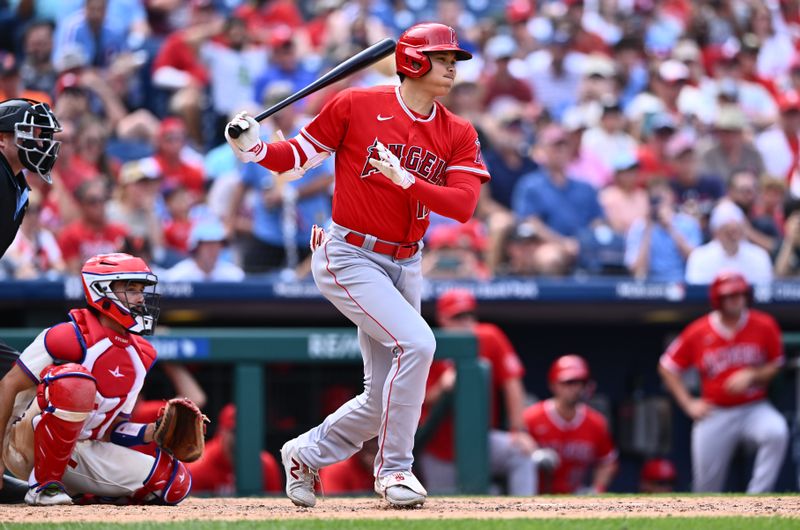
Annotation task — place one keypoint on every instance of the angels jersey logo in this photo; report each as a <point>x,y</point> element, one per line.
<point>419,161</point>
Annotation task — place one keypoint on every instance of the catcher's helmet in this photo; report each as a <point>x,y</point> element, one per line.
<point>568,368</point>
<point>411,53</point>
<point>25,118</point>
<point>726,284</point>
<point>99,271</point>
<point>454,302</point>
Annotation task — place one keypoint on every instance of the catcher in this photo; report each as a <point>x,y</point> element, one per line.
<point>66,402</point>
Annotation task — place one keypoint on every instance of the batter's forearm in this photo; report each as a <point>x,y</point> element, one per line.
<point>457,200</point>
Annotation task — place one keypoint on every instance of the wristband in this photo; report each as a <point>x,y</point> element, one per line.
<point>128,434</point>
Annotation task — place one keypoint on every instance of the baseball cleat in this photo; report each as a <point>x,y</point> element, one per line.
<point>51,494</point>
<point>300,479</point>
<point>401,490</point>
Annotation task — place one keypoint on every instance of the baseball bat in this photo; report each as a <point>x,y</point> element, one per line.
<point>362,59</point>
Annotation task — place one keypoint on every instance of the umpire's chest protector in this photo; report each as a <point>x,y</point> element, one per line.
<point>118,363</point>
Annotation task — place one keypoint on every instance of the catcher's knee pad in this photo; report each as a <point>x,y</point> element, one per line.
<point>169,480</point>
<point>66,397</point>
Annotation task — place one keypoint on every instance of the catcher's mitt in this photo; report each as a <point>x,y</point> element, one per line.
<point>180,429</point>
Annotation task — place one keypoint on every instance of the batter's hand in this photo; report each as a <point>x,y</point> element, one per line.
<point>317,237</point>
<point>740,381</point>
<point>697,409</point>
<point>390,166</point>
<point>248,147</point>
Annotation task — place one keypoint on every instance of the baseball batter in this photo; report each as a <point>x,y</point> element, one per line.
<point>576,432</point>
<point>737,352</point>
<point>399,155</point>
<point>64,405</point>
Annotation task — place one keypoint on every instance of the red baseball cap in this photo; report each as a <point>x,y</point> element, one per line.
<point>658,470</point>
<point>568,368</point>
<point>454,302</point>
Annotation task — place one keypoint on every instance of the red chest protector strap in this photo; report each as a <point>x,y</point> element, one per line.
<point>92,331</point>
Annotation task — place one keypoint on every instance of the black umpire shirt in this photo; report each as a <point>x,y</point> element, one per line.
<point>13,203</point>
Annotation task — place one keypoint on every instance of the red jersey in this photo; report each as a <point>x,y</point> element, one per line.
<point>348,476</point>
<point>118,362</point>
<point>431,148</point>
<point>181,173</point>
<point>717,353</point>
<point>214,472</point>
<point>581,443</point>
<point>494,347</point>
<point>179,54</point>
<point>79,240</point>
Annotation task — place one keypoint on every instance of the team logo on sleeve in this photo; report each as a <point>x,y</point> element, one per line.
<point>478,155</point>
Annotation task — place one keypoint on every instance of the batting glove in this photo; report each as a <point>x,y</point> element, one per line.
<point>317,237</point>
<point>389,165</point>
<point>248,147</point>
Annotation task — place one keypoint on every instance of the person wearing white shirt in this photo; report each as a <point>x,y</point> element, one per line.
<point>728,251</point>
<point>206,242</point>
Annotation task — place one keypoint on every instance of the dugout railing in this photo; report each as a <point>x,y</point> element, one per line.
<point>250,350</point>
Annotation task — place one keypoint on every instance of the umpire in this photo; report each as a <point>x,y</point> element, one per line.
<point>27,130</point>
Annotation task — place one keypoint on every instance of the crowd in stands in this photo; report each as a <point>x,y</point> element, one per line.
<point>657,139</point>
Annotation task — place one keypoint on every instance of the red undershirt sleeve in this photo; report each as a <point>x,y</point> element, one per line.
<point>280,158</point>
<point>457,200</point>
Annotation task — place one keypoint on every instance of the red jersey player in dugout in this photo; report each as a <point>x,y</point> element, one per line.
<point>399,155</point>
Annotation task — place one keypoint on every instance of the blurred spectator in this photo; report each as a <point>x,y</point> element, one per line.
<point>264,18</point>
<point>455,251</point>
<point>744,190</point>
<point>134,206</point>
<point>69,172</point>
<point>576,432</point>
<point>584,165</point>
<point>658,475</point>
<point>652,155</point>
<point>179,70</point>
<point>728,250</point>
<point>11,85</point>
<point>284,66</point>
<point>276,234</point>
<point>780,145</point>
<point>555,75</point>
<point>206,242</point>
<point>669,92</point>
<point>34,253</point>
<point>608,139</point>
<point>353,476</point>
<point>737,351</point>
<point>695,193</point>
<point>510,448</point>
<point>748,62</point>
<point>787,262</point>
<point>658,245</point>
<point>91,233</point>
<point>556,206</point>
<point>37,70</point>
<point>178,226</point>
<point>175,161</point>
<point>92,139</point>
<point>498,81</point>
<point>233,64</point>
<point>215,472</point>
<point>88,29</point>
<point>768,28</point>
<point>624,201</point>
<point>729,151</point>
<point>631,68</point>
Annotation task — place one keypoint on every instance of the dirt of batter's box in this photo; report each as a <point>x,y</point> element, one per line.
<point>262,508</point>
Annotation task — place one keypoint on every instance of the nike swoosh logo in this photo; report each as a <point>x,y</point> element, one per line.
<point>382,118</point>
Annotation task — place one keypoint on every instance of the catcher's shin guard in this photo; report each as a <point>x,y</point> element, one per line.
<point>169,480</point>
<point>66,397</point>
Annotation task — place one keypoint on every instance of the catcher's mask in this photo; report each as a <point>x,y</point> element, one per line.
<point>102,270</point>
<point>34,126</point>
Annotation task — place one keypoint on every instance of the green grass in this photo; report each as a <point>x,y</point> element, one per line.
<point>666,523</point>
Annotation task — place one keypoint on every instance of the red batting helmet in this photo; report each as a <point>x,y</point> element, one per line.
<point>568,368</point>
<point>454,302</point>
<point>726,284</point>
<point>416,41</point>
<point>99,271</point>
<point>659,470</point>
